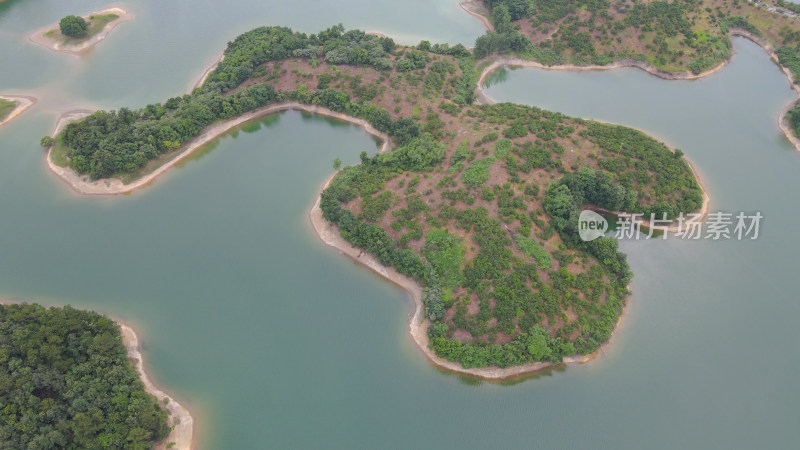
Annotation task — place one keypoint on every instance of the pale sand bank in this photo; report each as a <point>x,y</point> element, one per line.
<point>58,45</point>
<point>208,71</point>
<point>474,8</point>
<point>180,419</point>
<point>23,103</point>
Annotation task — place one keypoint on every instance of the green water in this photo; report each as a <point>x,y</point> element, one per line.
<point>274,340</point>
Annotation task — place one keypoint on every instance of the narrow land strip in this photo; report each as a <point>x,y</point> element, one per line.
<point>83,185</point>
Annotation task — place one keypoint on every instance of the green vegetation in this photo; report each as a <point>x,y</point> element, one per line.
<point>65,382</point>
<point>6,107</point>
<point>457,204</point>
<point>531,248</point>
<point>477,174</point>
<point>504,38</point>
<point>445,252</point>
<point>73,26</point>
<point>47,142</point>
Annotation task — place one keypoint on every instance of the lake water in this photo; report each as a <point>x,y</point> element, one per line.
<point>274,340</point>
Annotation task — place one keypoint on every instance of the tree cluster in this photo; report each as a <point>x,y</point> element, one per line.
<point>73,26</point>
<point>66,382</point>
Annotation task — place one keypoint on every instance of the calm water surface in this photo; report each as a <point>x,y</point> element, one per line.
<point>275,340</point>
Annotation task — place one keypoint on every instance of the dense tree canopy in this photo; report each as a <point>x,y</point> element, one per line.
<point>65,382</point>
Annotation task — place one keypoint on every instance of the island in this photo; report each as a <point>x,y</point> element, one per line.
<point>71,379</point>
<point>11,106</point>
<point>470,207</point>
<point>77,35</point>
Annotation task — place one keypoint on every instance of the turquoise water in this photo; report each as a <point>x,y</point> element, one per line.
<point>274,340</point>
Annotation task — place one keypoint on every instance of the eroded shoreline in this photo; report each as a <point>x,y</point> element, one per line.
<point>38,37</point>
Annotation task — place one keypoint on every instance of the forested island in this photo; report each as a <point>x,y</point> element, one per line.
<point>77,34</point>
<point>66,382</point>
<point>477,203</point>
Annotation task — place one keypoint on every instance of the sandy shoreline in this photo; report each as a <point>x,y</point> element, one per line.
<point>39,38</point>
<point>472,7</point>
<point>83,185</point>
<point>180,419</point>
<point>23,103</point>
<point>179,416</point>
<point>208,71</point>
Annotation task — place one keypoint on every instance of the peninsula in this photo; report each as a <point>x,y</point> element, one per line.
<point>98,25</point>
